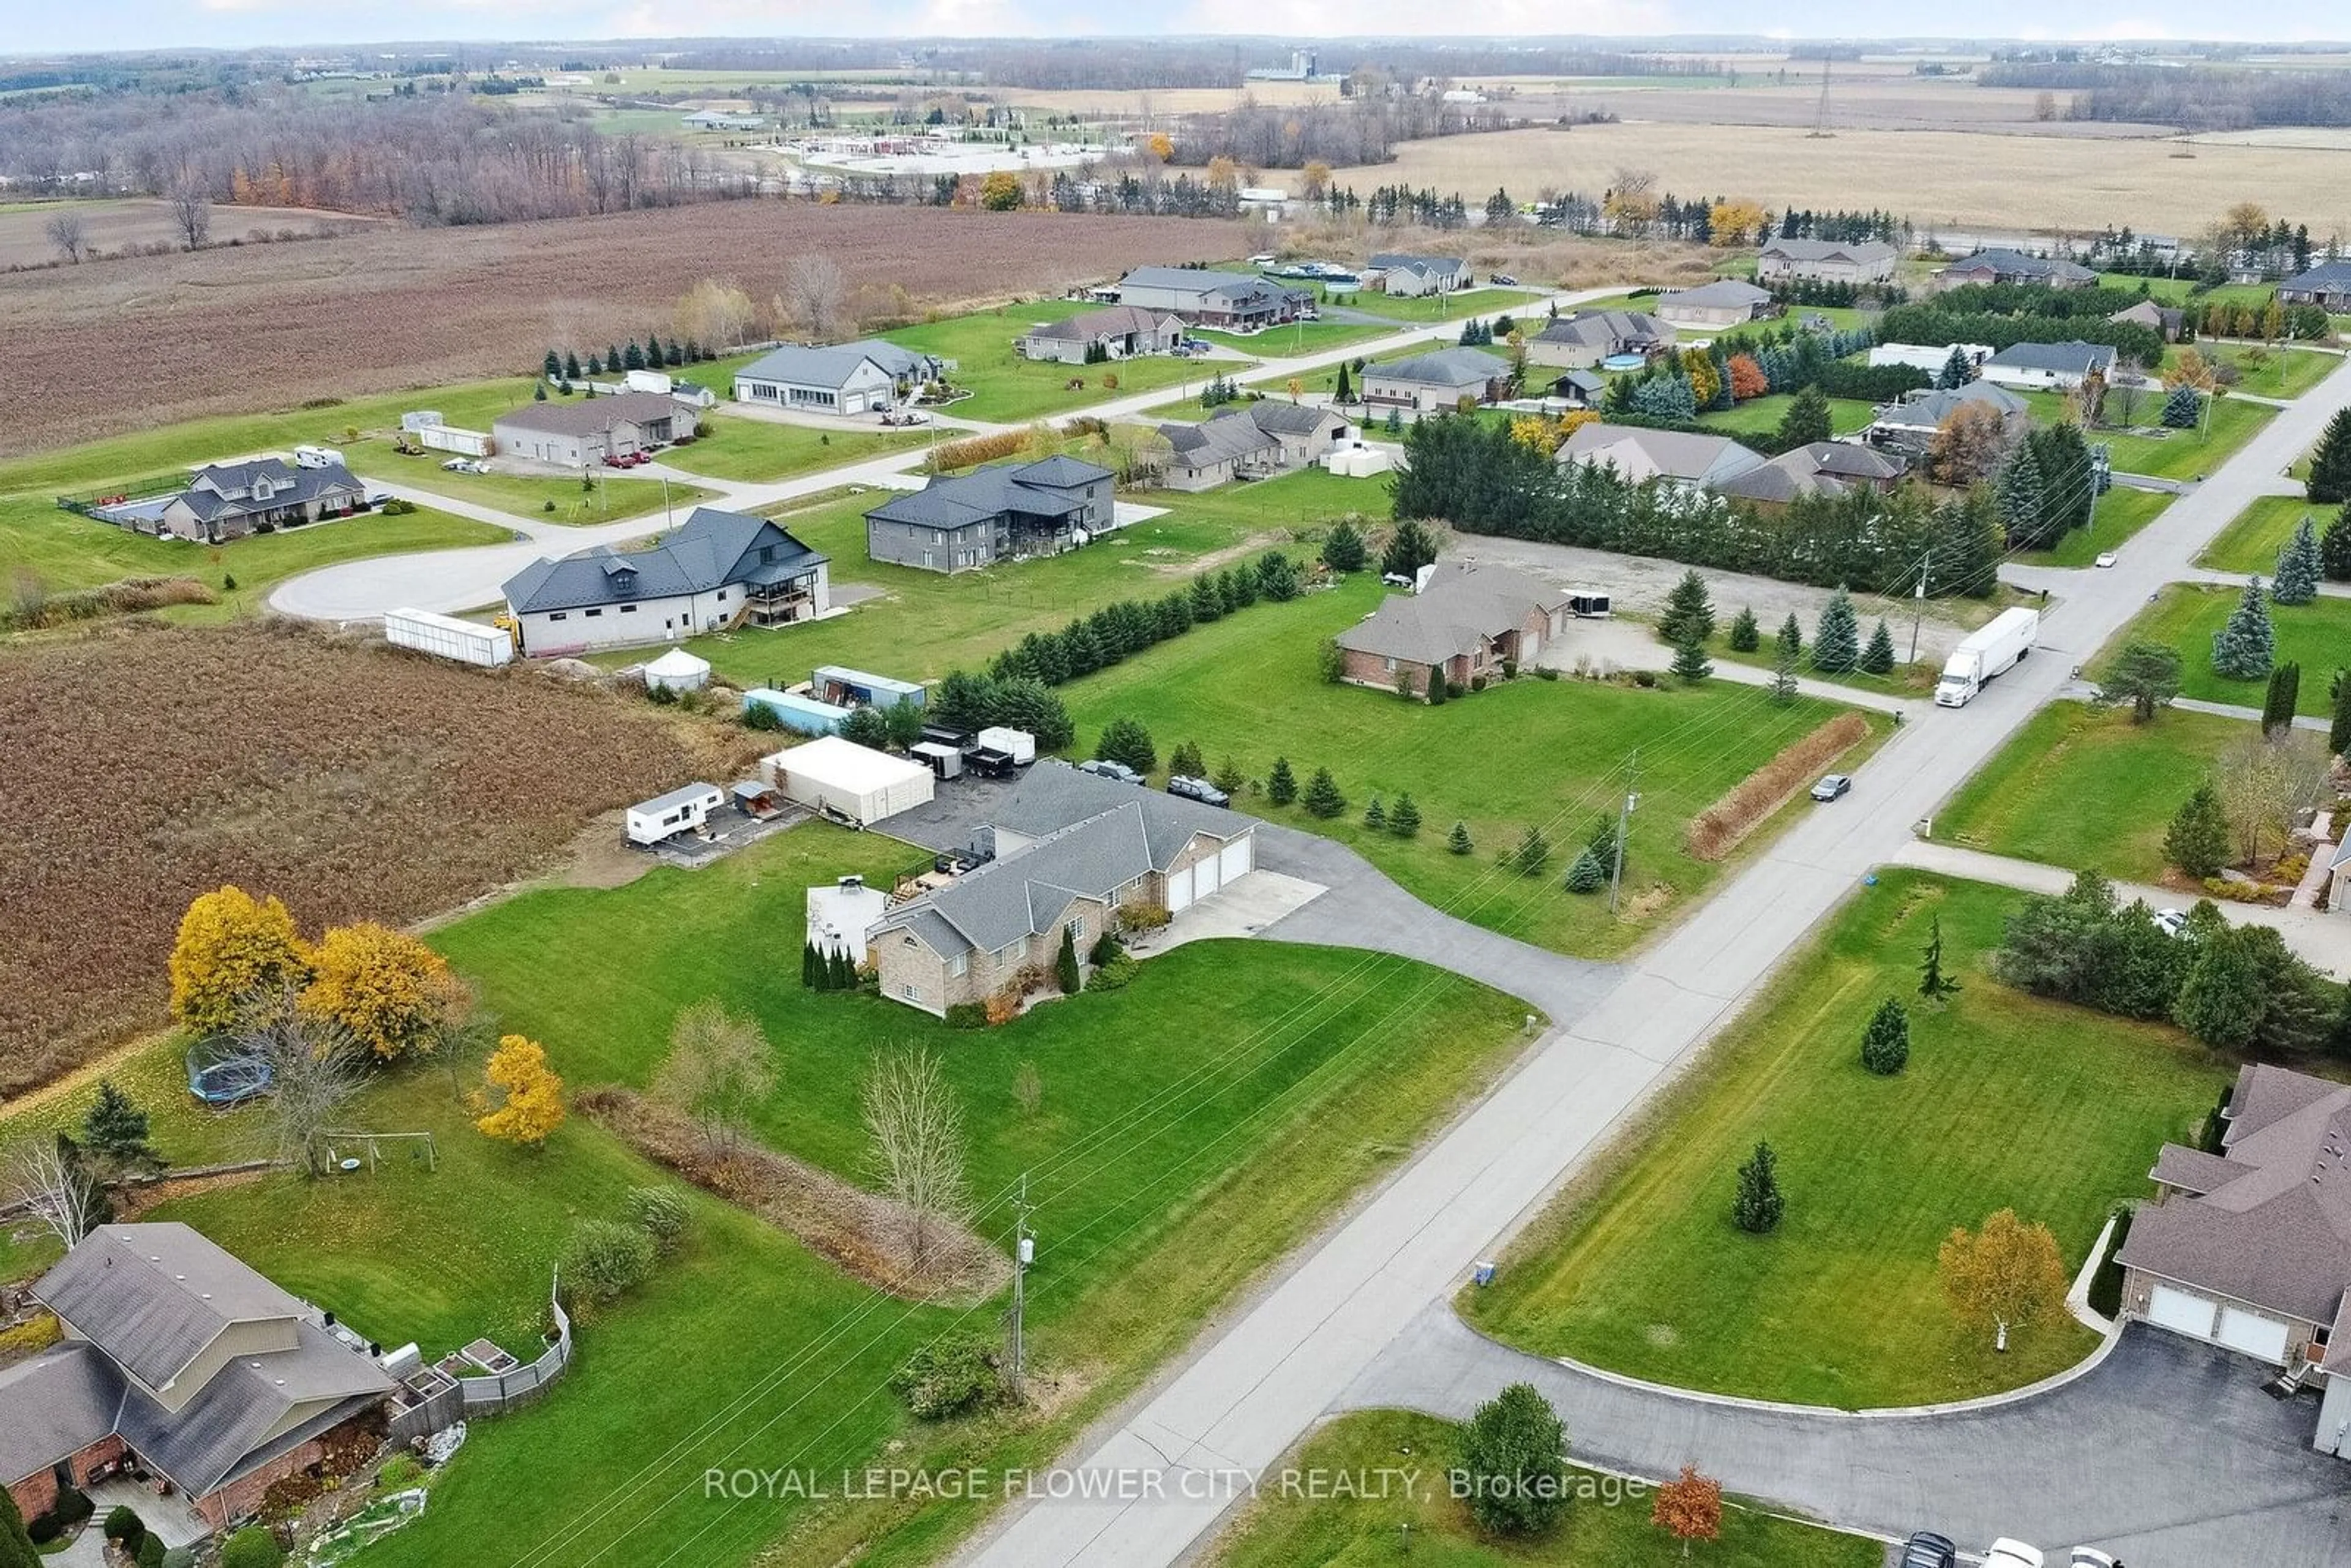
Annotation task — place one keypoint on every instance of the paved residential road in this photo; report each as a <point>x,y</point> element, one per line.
<point>1258,1381</point>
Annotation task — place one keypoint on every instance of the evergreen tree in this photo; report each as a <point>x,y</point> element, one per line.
<point>1532,853</point>
<point>671,354</point>
<point>812,973</point>
<point>1439,688</point>
<point>1404,817</point>
<point>1956,371</point>
<point>1886,1046</point>
<point>1690,663</point>
<point>1322,797</point>
<point>1344,550</point>
<point>1346,393</point>
<point>1125,741</point>
<point>2334,549</point>
<point>1207,605</point>
<point>1281,784</point>
<point>1836,645</point>
<point>1276,577</point>
<point>2338,733</point>
<point>1586,874</point>
<point>2017,488</point>
<point>2183,409</point>
<point>2245,648</point>
<point>2198,841</point>
<point>595,366</point>
<point>2330,464</point>
<point>1792,636</point>
<point>1745,635</point>
<point>1375,816</point>
<point>571,366</point>
<point>1065,964</point>
<point>1514,1452</point>
<point>844,970</point>
<point>553,368</point>
<point>1877,659</point>
<point>1933,984</point>
<point>1689,611</point>
<point>1807,419</point>
<point>2298,568</point>
<point>1784,674</point>
<point>2284,692</point>
<point>612,358</point>
<point>1457,840</point>
<point>16,1548</point>
<point>1410,548</point>
<point>1757,1206</point>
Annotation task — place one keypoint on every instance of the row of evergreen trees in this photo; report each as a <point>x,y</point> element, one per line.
<point>1115,631</point>
<point>2046,486</point>
<point>652,355</point>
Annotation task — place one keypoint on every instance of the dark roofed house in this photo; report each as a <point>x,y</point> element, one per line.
<point>1725,302</point>
<point>582,434</point>
<point>1071,849</point>
<point>962,521</point>
<point>1582,340</point>
<point>1118,332</point>
<point>2250,1249</point>
<point>181,1360</point>
<point>1437,380</point>
<point>1999,265</point>
<point>2044,366</point>
<point>1467,621</point>
<point>1819,468</point>
<point>2326,286</point>
<point>230,500</point>
<point>718,569</point>
<point>1236,301</point>
<point>1253,441</point>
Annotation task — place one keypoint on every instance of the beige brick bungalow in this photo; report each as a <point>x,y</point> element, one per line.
<point>1464,622</point>
<point>1071,849</point>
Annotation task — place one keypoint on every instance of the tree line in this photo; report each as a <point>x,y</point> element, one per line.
<point>2195,97</point>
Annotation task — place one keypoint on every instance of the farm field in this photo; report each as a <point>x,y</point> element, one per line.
<point>2087,790</point>
<point>1424,1524</point>
<point>346,779</point>
<point>127,227</point>
<point>482,301</point>
<point>1761,415</point>
<point>968,618</point>
<point>2250,544</point>
<point>2121,512</point>
<point>2025,1103</point>
<point>2316,635</point>
<point>1301,1056</point>
<point>1526,753</point>
<point>1942,179</point>
<point>1009,390</point>
<point>744,447</point>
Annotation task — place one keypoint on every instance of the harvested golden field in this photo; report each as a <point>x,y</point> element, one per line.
<point>394,308</point>
<point>1939,179</point>
<point>147,763</point>
<point>135,224</point>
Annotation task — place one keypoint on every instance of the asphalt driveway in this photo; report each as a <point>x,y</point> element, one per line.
<point>2166,1453</point>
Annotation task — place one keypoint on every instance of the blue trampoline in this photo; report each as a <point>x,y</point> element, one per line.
<point>222,1072</point>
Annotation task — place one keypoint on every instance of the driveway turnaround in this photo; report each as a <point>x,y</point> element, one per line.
<point>2166,1453</point>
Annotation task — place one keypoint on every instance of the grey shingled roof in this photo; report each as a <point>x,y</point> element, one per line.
<point>1398,261</point>
<point>2016,264</point>
<point>2070,358</point>
<point>2276,1231</point>
<point>55,1402</point>
<point>831,364</point>
<point>1722,291</point>
<point>1114,321</point>
<point>289,486</point>
<point>1027,489</point>
<point>1822,249</point>
<point>1464,606</point>
<point>1445,368</point>
<point>153,1296</point>
<point>1199,280</point>
<point>1279,418</point>
<point>710,549</point>
<point>223,1429</point>
<point>1231,436</point>
<point>1929,409</point>
<point>590,415</point>
<point>2328,276</point>
<point>1052,795</point>
<point>1681,455</point>
<point>1606,329</point>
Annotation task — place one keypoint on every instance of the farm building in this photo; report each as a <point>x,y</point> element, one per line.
<point>680,811</point>
<point>1826,261</point>
<point>848,782</point>
<point>584,433</point>
<point>961,521</point>
<point>446,637</point>
<point>677,671</point>
<point>1726,302</point>
<point>1234,300</point>
<point>719,570</point>
<point>1439,380</point>
<point>863,377</point>
<point>1120,332</point>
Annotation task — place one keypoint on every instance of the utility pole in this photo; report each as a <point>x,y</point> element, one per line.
<point>1918,603</point>
<point>1024,1247</point>
<point>1623,820</point>
<point>1821,116</point>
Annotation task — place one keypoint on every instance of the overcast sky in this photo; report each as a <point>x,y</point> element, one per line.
<point>151,24</point>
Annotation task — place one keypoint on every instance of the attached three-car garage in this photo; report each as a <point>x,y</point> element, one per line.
<point>2218,1323</point>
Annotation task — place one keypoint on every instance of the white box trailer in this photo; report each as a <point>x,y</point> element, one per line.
<point>1018,744</point>
<point>1991,650</point>
<point>679,811</point>
<point>849,782</point>
<point>450,438</point>
<point>647,381</point>
<point>446,637</point>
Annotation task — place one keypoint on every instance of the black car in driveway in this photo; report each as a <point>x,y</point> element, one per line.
<point>1927,1549</point>
<point>1198,789</point>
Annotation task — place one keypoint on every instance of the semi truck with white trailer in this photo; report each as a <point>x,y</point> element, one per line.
<point>1992,649</point>
<point>446,637</point>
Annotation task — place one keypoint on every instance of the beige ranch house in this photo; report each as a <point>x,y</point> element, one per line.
<point>1072,850</point>
<point>1466,621</point>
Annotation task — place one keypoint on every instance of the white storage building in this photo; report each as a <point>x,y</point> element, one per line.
<point>446,637</point>
<point>678,670</point>
<point>847,781</point>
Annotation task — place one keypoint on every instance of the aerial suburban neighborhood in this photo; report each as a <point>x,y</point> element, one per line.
<point>1007,789</point>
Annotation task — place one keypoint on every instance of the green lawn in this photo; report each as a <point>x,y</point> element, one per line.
<point>2121,513</point>
<point>1008,388</point>
<point>1424,309</point>
<point>559,499</point>
<point>2284,372</point>
<point>2251,543</point>
<point>70,551</point>
<point>1298,337</point>
<point>1528,753</point>
<point>2183,290</point>
<point>2087,790</point>
<point>2008,1101</point>
<point>2316,635</point>
<point>1764,414</point>
<point>740,447</point>
<point>926,622</point>
<point>1418,1522</point>
<point>2178,454</point>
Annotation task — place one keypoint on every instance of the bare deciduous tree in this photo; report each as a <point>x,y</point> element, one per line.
<point>44,1174</point>
<point>815,295</point>
<point>719,1067</point>
<point>66,233</point>
<point>2264,781</point>
<point>191,213</point>
<point>316,1066</point>
<point>917,1124</point>
<point>716,315</point>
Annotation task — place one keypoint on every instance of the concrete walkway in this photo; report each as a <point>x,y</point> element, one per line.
<point>2320,939</point>
<point>2107,1458</point>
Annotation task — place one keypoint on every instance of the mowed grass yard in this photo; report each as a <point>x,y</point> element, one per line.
<point>2316,635</point>
<point>2250,544</point>
<point>1168,1109</point>
<point>966,619</point>
<point>1607,1524</point>
<point>1528,753</point>
<point>2088,789</point>
<point>2121,513</point>
<point>742,446</point>
<point>1763,414</point>
<point>2230,422</point>
<point>2008,1101</point>
<point>2282,373</point>
<point>1009,390</point>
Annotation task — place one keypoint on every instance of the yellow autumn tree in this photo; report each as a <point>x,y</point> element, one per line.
<point>1158,145</point>
<point>2005,1276</point>
<point>1704,382</point>
<point>532,1105</point>
<point>232,945</point>
<point>393,993</point>
<point>1732,224</point>
<point>1000,192</point>
<point>1224,175</point>
<point>1535,432</point>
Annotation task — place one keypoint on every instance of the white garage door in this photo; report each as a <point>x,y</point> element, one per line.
<point>1236,861</point>
<point>1205,880</point>
<point>2181,1311</point>
<point>1179,890</point>
<point>2253,1334</point>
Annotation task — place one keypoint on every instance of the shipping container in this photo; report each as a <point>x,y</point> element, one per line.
<point>803,715</point>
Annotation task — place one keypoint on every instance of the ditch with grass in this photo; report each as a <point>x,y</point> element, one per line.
<point>2185,616</point>
<point>2008,1101</point>
<point>1191,1129</point>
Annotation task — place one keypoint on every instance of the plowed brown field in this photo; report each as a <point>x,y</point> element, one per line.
<point>155,340</point>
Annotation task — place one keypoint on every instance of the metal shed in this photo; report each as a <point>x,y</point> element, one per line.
<point>838,683</point>
<point>849,782</point>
